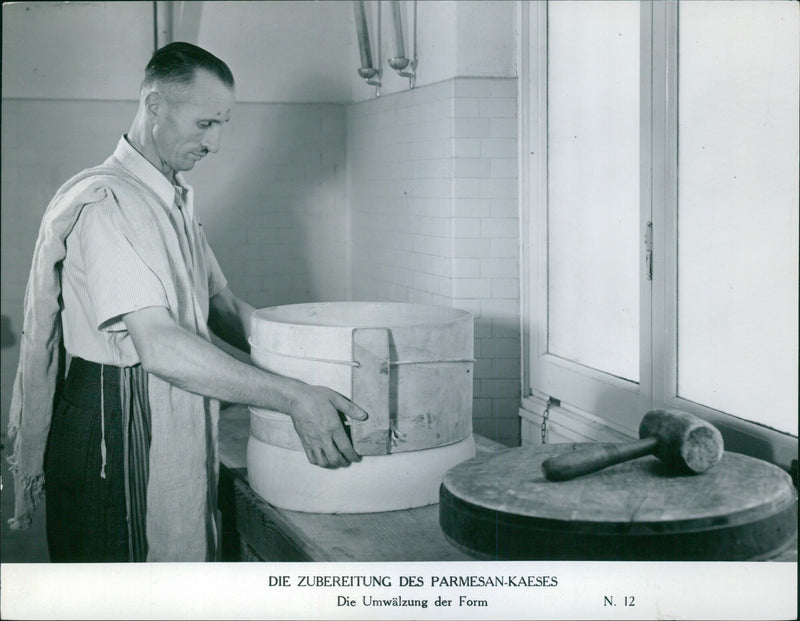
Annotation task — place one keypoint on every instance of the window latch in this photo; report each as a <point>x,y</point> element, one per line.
<point>648,250</point>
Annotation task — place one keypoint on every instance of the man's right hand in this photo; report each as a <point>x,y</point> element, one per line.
<point>195,364</point>
<point>315,413</point>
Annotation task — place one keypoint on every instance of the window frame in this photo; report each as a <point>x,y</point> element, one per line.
<point>658,297</point>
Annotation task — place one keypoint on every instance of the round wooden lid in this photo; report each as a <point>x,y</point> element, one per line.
<point>501,506</point>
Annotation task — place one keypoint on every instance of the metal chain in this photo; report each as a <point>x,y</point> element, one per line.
<point>546,416</point>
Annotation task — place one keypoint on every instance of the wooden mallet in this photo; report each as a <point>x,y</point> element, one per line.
<point>682,441</point>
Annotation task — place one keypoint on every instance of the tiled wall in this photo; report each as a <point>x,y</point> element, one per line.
<point>433,199</point>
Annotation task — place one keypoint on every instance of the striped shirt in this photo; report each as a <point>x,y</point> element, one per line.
<point>103,278</point>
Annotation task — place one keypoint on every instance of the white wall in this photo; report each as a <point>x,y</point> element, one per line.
<point>302,51</point>
<point>279,51</point>
<point>75,50</point>
<point>486,38</point>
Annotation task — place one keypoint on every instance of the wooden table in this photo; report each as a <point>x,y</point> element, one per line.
<point>255,530</point>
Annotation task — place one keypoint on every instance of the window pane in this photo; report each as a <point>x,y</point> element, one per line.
<point>593,184</point>
<point>738,209</point>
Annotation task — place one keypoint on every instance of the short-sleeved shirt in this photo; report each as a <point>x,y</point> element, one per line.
<point>103,278</point>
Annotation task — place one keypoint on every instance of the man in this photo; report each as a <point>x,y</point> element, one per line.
<point>122,266</point>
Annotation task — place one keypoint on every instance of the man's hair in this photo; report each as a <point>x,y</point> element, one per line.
<point>177,62</point>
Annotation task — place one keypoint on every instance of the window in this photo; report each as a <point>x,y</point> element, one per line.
<point>662,203</point>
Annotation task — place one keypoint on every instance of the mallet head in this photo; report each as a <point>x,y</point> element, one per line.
<point>684,441</point>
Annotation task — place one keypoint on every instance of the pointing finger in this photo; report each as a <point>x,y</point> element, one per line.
<point>348,408</point>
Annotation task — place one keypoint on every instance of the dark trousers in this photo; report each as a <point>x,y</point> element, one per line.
<point>86,513</point>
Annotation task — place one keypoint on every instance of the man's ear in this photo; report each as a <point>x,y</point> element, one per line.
<point>153,102</point>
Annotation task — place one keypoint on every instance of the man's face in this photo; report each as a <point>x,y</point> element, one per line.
<point>188,125</point>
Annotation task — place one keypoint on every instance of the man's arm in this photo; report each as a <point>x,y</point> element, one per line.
<point>190,362</point>
<point>229,319</point>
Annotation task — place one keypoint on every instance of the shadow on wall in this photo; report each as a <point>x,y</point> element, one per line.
<point>497,388</point>
<point>7,337</point>
<point>273,205</point>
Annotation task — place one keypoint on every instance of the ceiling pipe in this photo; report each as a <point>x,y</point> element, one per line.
<point>367,70</point>
<point>399,62</point>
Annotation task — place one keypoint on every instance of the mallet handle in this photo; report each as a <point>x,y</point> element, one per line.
<point>576,463</point>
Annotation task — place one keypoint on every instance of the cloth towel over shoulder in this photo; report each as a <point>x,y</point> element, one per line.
<point>184,468</point>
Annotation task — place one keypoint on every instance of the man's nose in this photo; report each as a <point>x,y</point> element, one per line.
<point>211,139</point>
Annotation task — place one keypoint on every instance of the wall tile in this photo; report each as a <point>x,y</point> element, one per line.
<point>499,147</point>
<point>498,107</point>
<point>497,228</point>
<point>499,268</point>
<point>472,88</point>
<point>472,127</point>
<point>505,288</point>
<point>472,288</point>
<point>466,268</point>
<point>466,227</point>
<point>466,147</point>
<point>472,167</point>
<point>504,128</point>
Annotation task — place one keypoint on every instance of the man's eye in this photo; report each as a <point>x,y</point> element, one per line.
<point>204,124</point>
